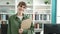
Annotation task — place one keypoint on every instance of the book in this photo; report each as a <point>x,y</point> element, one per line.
<point>3,17</point>
<point>4,22</point>
<point>0,16</point>
<point>40,16</point>
<point>26,24</point>
<point>7,16</point>
<point>45,17</point>
<point>0,26</point>
<point>36,16</point>
<point>48,17</point>
<point>37,25</point>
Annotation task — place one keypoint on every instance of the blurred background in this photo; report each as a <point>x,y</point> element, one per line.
<point>38,10</point>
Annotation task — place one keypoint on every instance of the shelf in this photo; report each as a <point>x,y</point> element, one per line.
<point>43,21</point>
<point>11,9</point>
<point>3,20</point>
<point>28,13</point>
<point>29,4</point>
<point>7,13</point>
<point>43,5</point>
<point>44,13</point>
<point>38,30</point>
<point>7,5</point>
<point>29,9</point>
<point>43,9</point>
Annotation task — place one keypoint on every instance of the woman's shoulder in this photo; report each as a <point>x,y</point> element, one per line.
<point>12,16</point>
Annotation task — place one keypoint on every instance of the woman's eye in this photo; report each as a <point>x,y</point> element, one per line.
<point>20,6</point>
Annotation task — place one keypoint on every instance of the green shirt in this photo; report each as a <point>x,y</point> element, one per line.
<point>14,25</point>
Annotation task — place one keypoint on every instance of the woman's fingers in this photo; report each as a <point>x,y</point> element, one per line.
<point>20,30</point>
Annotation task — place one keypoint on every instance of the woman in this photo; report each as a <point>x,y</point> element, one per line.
<point>15,21</point>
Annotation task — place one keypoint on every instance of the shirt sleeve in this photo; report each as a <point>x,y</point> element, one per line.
<point>9,27</point>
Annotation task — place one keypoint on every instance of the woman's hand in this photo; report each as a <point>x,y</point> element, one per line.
<point>20,31</point>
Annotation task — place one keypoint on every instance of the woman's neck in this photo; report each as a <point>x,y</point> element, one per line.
<point>19,14</point>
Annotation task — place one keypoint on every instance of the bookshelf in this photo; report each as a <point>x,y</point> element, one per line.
<point>42,13</point>
<point>43,10</point>
<point>7,8</point>
<point>38,10</point>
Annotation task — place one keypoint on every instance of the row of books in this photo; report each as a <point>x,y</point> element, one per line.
<point>42,16</point>
<point>37,25</point>
<point>3,17</point>
<point>0,26</point>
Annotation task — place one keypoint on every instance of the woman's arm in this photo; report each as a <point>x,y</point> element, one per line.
<point>32,27</point>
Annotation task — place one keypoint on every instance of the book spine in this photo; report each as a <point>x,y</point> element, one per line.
<point>38,26</point>
<point>7,17</point>
<point>0,25</point>
<point>0,16</point>
<point>40,16</point>
<point>47,17</point>
<point>3,17</point>
<point>36,16</point>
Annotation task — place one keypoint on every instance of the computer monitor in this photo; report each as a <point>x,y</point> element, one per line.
<point>51,28</point>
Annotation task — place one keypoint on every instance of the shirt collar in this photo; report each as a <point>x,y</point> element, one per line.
<point>17,17</point>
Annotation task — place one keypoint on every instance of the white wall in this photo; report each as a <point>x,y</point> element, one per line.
<point>58,11</point>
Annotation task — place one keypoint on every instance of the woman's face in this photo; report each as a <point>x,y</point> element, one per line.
<point>21,8</point>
